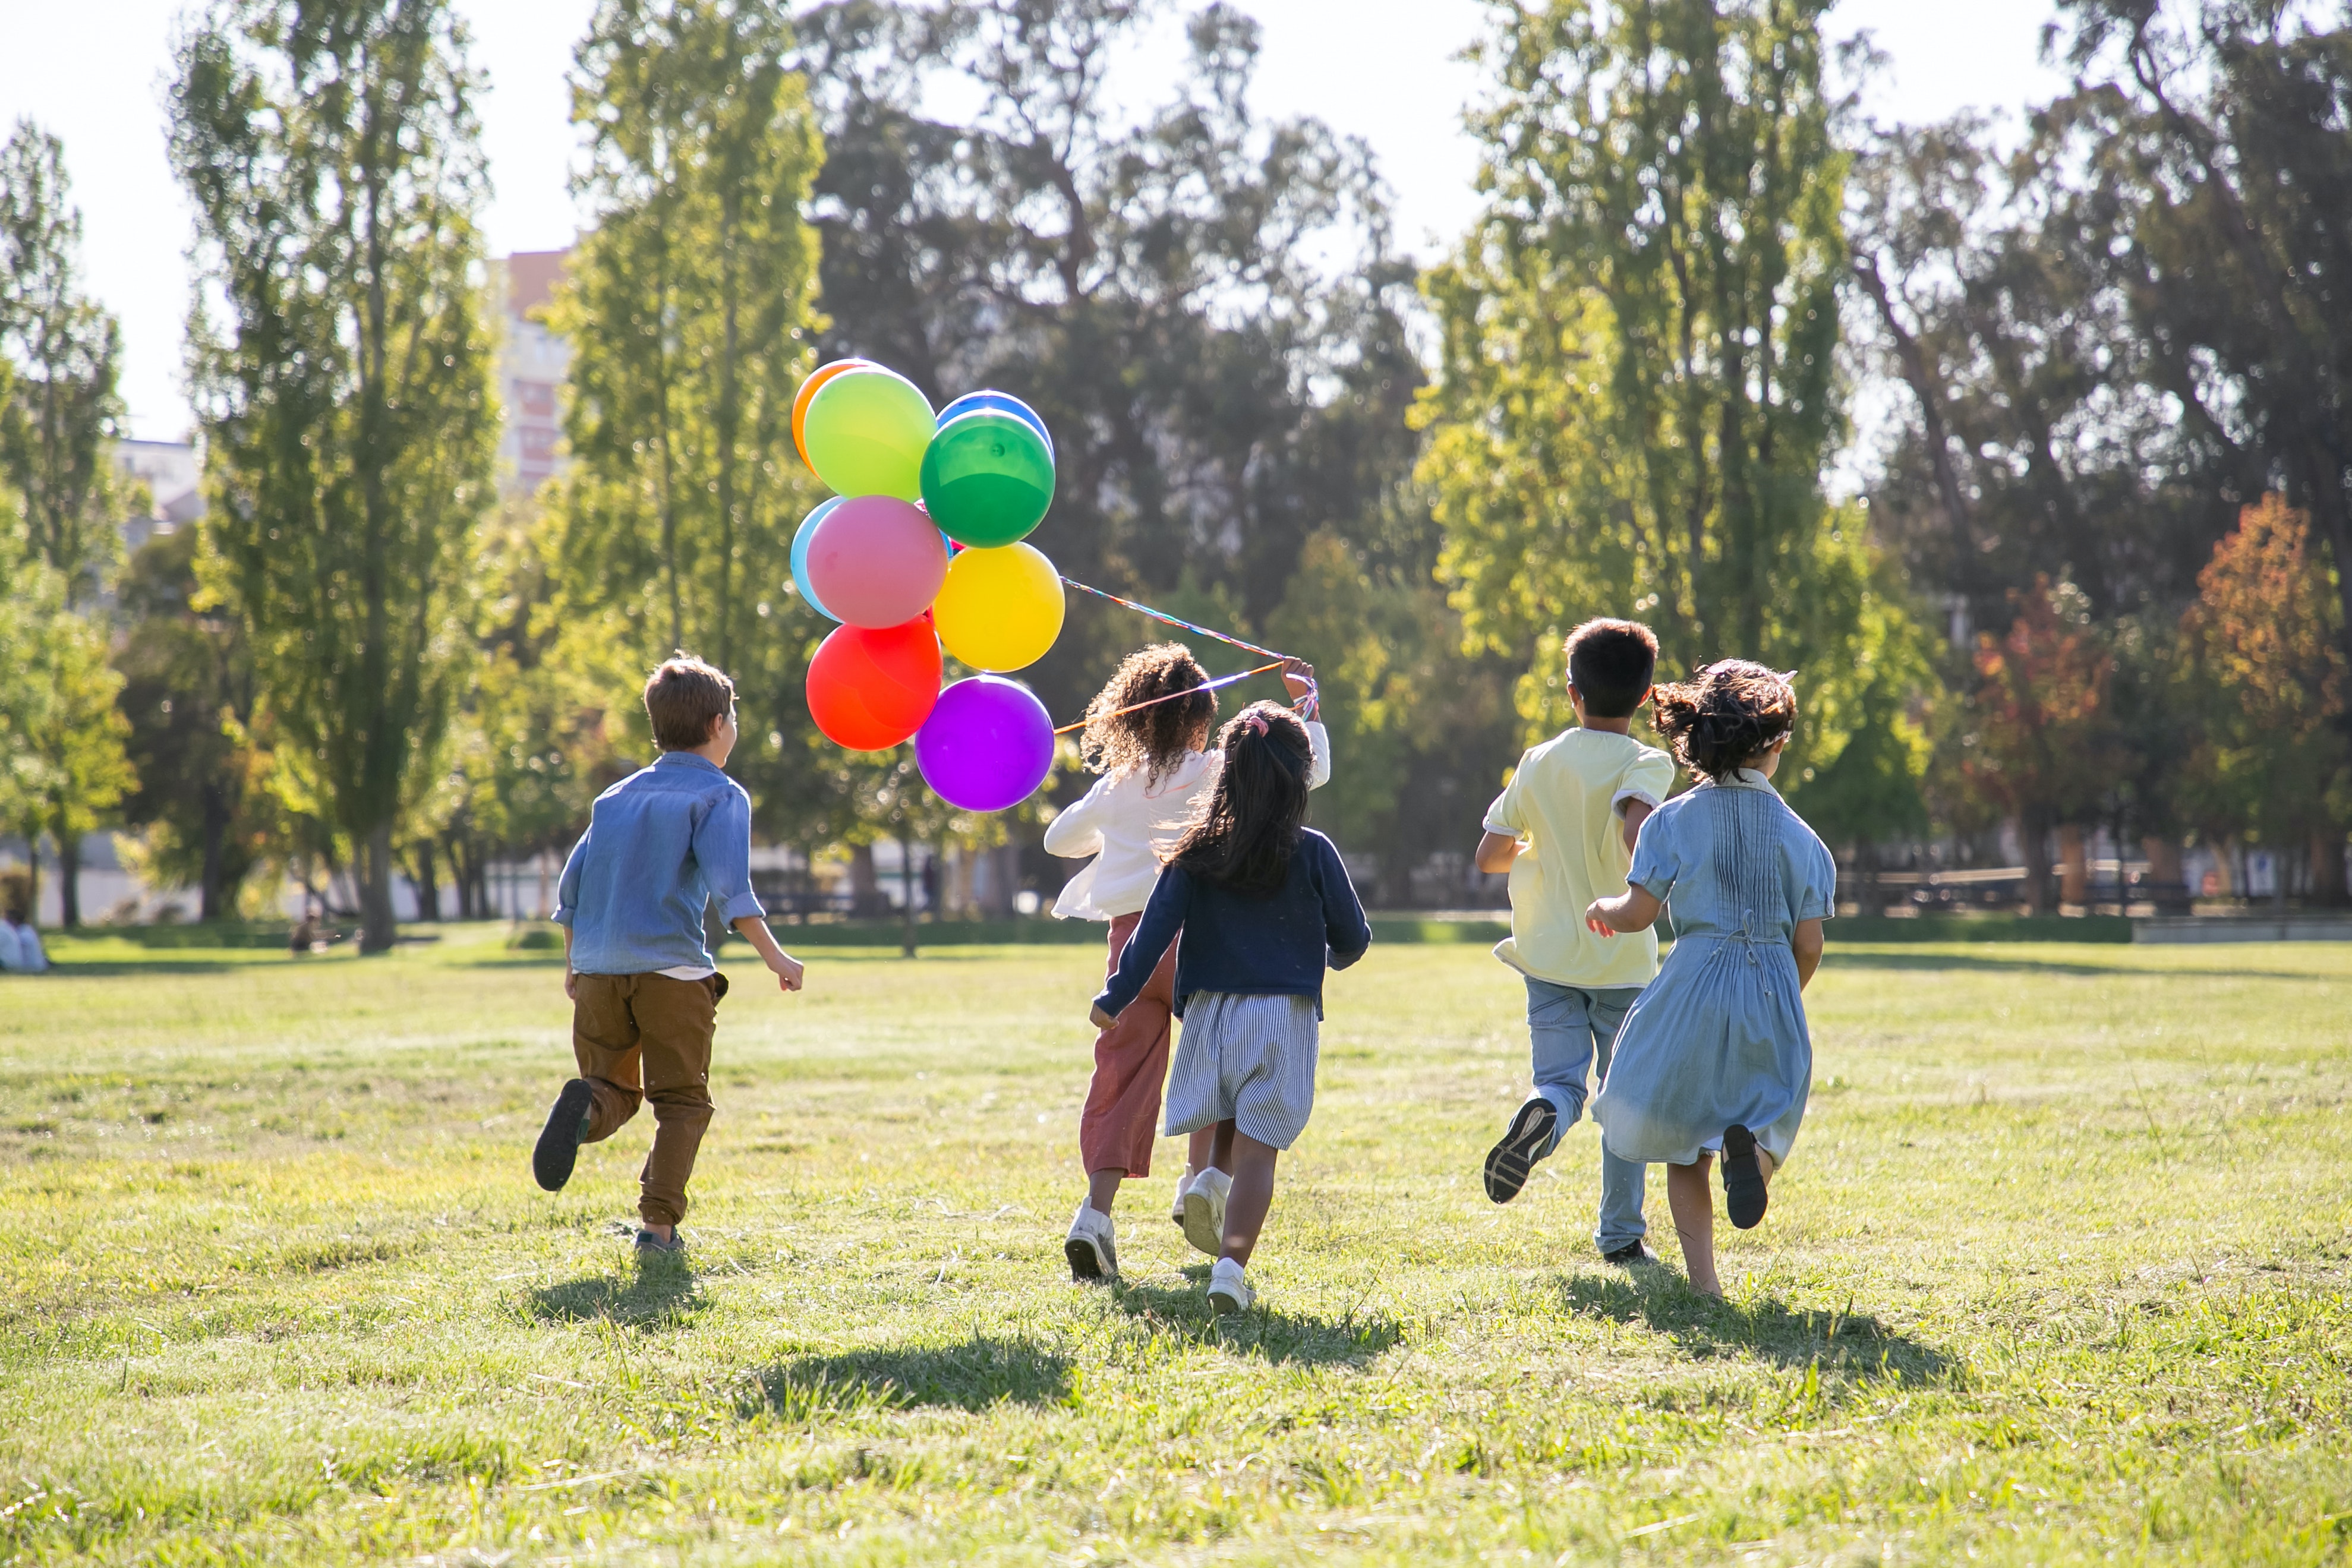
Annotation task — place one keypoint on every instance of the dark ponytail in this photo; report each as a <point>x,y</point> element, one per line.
<point>1732,711</point>
<point>1242,836</point>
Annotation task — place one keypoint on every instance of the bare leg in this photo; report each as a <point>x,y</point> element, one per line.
<point>1201,1151</point>
<point>1252,1193</point>
<point>1102,1188</point>
<point>1693,1204</point>
<point>1221,1147</point>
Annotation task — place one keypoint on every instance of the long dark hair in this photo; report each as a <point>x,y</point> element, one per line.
<point>1150,740</point>
<point>1732,711</point>
<point>1242,836</point>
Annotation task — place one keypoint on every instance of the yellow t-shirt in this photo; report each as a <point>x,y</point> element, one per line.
<point>1564,804</point>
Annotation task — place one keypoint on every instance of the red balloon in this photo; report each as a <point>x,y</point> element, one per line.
<point>870,689</point>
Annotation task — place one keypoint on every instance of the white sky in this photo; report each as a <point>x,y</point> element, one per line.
<point>94,73</point>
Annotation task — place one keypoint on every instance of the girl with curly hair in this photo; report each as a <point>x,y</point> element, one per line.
<point>1148,736</point>
<point>1715,1058</point>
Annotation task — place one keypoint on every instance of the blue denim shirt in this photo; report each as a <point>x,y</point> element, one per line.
<point>660,845</point>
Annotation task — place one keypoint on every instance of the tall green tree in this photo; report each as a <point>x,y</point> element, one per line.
<point>1638,391</point>
<point>65,411</point>
<point>687,306</point>
<point>342,371</point>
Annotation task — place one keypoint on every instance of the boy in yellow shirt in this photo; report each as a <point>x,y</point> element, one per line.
<point>1564,828</point>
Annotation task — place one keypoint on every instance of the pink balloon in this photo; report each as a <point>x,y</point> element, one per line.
<point>875,561</point>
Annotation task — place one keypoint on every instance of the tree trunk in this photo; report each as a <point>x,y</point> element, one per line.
<point>378,929</point>
<point>864,885</point>
<point>210,899</point>
<point>906,898</point>
<point>2327,879</point>
<point>2033,835</point>
<point>69,877</point>
<point>2074,866</point>
<point>2171,892</point>
<point>428,886</point>
<point>1873,900</point>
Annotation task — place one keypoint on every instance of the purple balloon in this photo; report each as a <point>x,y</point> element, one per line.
<point>988,744</point>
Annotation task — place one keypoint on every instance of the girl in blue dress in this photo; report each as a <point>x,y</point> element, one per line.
<point>1713,1057</point>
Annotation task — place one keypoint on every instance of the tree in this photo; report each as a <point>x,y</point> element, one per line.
<point>2270,685</point>
<point>2039,743</point>
<point>1207,309</point>
<point>54,430</point>
<point>187,695</point>
<point>1638,391</point>
<point>342,372</point>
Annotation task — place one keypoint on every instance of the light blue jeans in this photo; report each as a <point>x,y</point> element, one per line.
<point>1572,1030</point>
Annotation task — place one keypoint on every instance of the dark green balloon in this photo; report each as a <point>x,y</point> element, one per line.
<point>987,479</point>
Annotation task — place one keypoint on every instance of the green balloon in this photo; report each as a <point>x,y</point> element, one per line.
<point>987,479</point>
<point>866,432</point>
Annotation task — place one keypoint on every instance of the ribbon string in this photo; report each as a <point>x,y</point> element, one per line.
<point>1307,705</point>
<point>1169,698</point>
<point>1175,620</point>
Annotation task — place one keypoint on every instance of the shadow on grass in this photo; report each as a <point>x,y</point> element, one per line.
<point>1762,1327</point>
<point>658,1295</point>
<point>973,1375</point>
<point>1276,1336</point>
<point>1988,965</point>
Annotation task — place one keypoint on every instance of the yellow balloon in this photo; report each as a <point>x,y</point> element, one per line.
<point>1000,609</point>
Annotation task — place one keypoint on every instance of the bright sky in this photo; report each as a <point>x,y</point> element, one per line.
<point>1383,69</point>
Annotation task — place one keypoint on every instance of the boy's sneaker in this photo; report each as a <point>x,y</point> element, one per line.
<point>1229,1287</point>
<point>1092,1246</point>
<point>559,1141</point>
<point>1204,1210</point>
<point>650,1246</point>
<point>1635,1252</point>
<point>1508,1162</point>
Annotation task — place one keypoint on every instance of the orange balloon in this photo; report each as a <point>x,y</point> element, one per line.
<point>817,378</point>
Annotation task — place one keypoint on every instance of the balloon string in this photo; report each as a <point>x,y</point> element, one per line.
<point>1171,696</point>
<point>1308,702</point>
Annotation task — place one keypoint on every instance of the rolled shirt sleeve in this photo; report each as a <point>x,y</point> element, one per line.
<point>567,887</point>
<point>1504,816</point>
<point>722,848</point>
<point>1650,780</point>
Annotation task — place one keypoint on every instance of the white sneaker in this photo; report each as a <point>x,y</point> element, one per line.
<point>1204,1210</point>
<point>1229,1287</point>
<point>1176,1205</point>
<point>1092,1246</point>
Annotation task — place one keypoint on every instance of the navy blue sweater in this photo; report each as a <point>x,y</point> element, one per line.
<point>1241,944</point>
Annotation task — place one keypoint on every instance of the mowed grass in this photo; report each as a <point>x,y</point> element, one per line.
<point>2058,1273</point>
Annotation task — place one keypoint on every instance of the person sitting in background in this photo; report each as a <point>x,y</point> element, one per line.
<point>20,945</point>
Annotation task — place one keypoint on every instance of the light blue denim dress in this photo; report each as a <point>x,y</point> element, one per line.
<point>1719,1037</point>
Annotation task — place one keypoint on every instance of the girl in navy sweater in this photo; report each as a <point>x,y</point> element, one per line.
<point>1265,905</point>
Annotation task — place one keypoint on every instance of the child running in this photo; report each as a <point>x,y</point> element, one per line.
<point>1715,1057</point>
<point>661,846</point>
<point>1146,734</point>
<point>1564,828</point>
<point>1264,903</point>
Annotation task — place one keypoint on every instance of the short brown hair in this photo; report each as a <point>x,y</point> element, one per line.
<point>1611,664</point>
<point>683,698</point>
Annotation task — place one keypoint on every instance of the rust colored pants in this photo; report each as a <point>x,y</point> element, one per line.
<point>648,1037</point>
<point>1122,1114</point>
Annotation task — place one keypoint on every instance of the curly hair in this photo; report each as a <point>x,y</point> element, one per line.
<point>1151,740</point>
<point>1241,836</point>
<point>1734,709</point>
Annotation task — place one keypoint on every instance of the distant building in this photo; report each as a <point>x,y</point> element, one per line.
<point>533,362</point>
<point>175,484</point>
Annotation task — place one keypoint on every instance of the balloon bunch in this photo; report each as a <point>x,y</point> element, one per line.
<point>920,546</point>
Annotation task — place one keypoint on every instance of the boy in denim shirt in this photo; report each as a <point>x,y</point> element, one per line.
<point>661,845</point>
<point>1564,828</point>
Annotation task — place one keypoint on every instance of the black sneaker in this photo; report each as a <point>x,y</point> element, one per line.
<point>1744,1194</point>
<point>651,1245</point>
<point>1508,1162</point>
<point>559,1141</point>
<point>1633,1253</point>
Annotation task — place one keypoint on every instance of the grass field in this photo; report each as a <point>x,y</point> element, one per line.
<point>2058,1273</point>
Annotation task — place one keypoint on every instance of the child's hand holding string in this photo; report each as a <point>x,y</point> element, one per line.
<point>1298,678</point>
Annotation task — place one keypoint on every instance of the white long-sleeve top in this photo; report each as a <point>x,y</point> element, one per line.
<point>1127,821</point>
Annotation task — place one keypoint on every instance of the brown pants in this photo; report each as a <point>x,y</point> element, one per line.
<point>1122,1111</point>
<point>648,1037</point>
